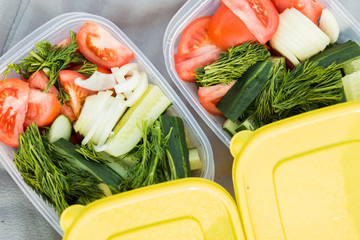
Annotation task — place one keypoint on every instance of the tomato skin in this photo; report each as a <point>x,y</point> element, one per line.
<point>43,108</point>
<point>39,80</point>
<point>186,64</point>
<point>260,17</point>
<point>227,30</point>
<point>77,93</point>
<point>14,96</point>
<point>100,47</point>
<point>195,35</point>
<point>310,8</point>
<point>64,42</point>
<point>211,95</point>
<point>68,112</point>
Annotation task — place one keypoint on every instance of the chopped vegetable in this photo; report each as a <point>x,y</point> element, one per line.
<point>352,66</point>
<point>194,159</point>
<point>329,25</point>
<point>351,84</point>
<point>97,82</point>
<point>60,128</point>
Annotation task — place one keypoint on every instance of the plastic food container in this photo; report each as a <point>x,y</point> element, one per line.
<point>294,179</point>
<point>56,30</point>
<point>193,9</point>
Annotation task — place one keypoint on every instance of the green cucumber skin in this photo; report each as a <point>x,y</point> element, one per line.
<point>177,144</point>
<point>101,171</point>
<point>56,133</point>
<point>243,92</point>
<point>338,54</point>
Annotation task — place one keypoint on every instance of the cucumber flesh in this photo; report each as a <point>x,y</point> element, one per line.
<point>127,133</point>
<point>351,85</point>
<point>230,126</point>
<point>194,159</point>
<point>60,128</point>
<point>352,66</point>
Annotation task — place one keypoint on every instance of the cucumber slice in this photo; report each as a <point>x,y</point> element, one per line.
<point>230,126</point>
<point>194,158</point>
<point>351,85</point>
<point>352,66</point>
<point>60,128</point>
<point>128,133</point>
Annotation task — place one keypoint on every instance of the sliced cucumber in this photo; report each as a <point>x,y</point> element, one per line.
<point>194,158</point>
<point>352,66</point>
<point>60,128</point>
<point>127,133</point>
<point>351,85</point>
<point>230,126</point>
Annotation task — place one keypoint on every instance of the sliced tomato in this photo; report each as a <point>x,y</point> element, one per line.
<point>227,30</point>
<point>260,17</point>
<point>43,108</point>
<point>99,69</point>
<point>187,63</point>
<point>101,48</point>
<point>310,8</point>
<point>68,112</point>
<point>211,95</point>
<point>195,35</point>
<point>14,96</point>
<point>64,42</point>
<point>77,94</point>
<point>39,80</point>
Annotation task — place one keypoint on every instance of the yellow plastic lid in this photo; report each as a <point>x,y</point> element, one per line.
<point>186,209</point>
<point>300,178</point>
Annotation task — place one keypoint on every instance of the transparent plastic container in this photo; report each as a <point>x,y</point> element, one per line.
<point>58,29</point>
<point>349,27</point>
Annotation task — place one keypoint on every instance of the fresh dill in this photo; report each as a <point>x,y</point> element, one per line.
<point>231,64</point>
<point>52,59</point>
<point>88,151</point>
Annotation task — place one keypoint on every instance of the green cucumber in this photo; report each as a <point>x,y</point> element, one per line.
<point>248,124</point>
<point>341,53</point>
<point>245,90</point>
<point>230,126</point>
<point>127,132</point>
<point>194,159</point>
<point>352,66</point>
<point>178,156</point>
<point>60,128</point>
<point>99,170</point>
<point>351,84</point>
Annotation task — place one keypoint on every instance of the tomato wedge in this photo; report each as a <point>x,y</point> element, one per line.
<point>260,17</point>
<point>43,108</point>
<point>186,64</point>
<point>68,112</point>
<point>211,95</point>
<point>77,93</point>
<point>227,30</point>
<point>310,8</point>
<point>39,80</point>
<point>101,48</point>
<point>14,95</point>
<point>195,35</point>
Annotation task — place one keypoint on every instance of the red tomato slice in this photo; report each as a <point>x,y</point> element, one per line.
<point>211,95</point>
<point>77,93</point>
<point>14,96</point>
<point>186,64</point>
<point>310,8</point>
<point>100,47</point>
<point>195,35</point>
<point>43,108</point>
<point>39,80</point>
<point>68,112</point>
<point>260,17</point>
<point>227,30</point>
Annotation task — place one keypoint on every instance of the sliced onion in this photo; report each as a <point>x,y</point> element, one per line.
<point>97,82</point>
<point>329,25</point>
<point>130,84</point>
<point>139,91</point>
<point>121,72</point>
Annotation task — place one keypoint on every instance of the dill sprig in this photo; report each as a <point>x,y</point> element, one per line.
<point>51,175</point>
<point>231,64</point>
<point>52,59</point>
<point>90,154</point>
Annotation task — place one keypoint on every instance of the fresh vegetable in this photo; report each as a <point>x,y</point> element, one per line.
<point>14,97</point>
<point>127,132</point>
<point>297,38</point>
<point>51,175</point>
<point>209,96</point>
<point>227,30</point>
<point>310,8</point>
<point>260,17</point>
<point>351,83</point>
<point>101,48</point>
<point>60,128</point>
<point>243,92</point>
<point>230,127</point>
<point>194,159</point>
<point>97,82</point>
<point>68,112</point>
<point>43,108</point>
<point>232,64</point>
<point>329,25</point>
<point>51,59</point>
<point>351,66</point>
<point>77,94</point>
<point>39,80</point>
<point>177,151</point>
<point>340,53</point>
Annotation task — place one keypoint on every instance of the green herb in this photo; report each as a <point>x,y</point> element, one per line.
<point>303,89</point>
<point>152,166</point>
<point>88,151</point>
<point>231,64</point>
<point>51,175</point>
<point>52,59</point>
